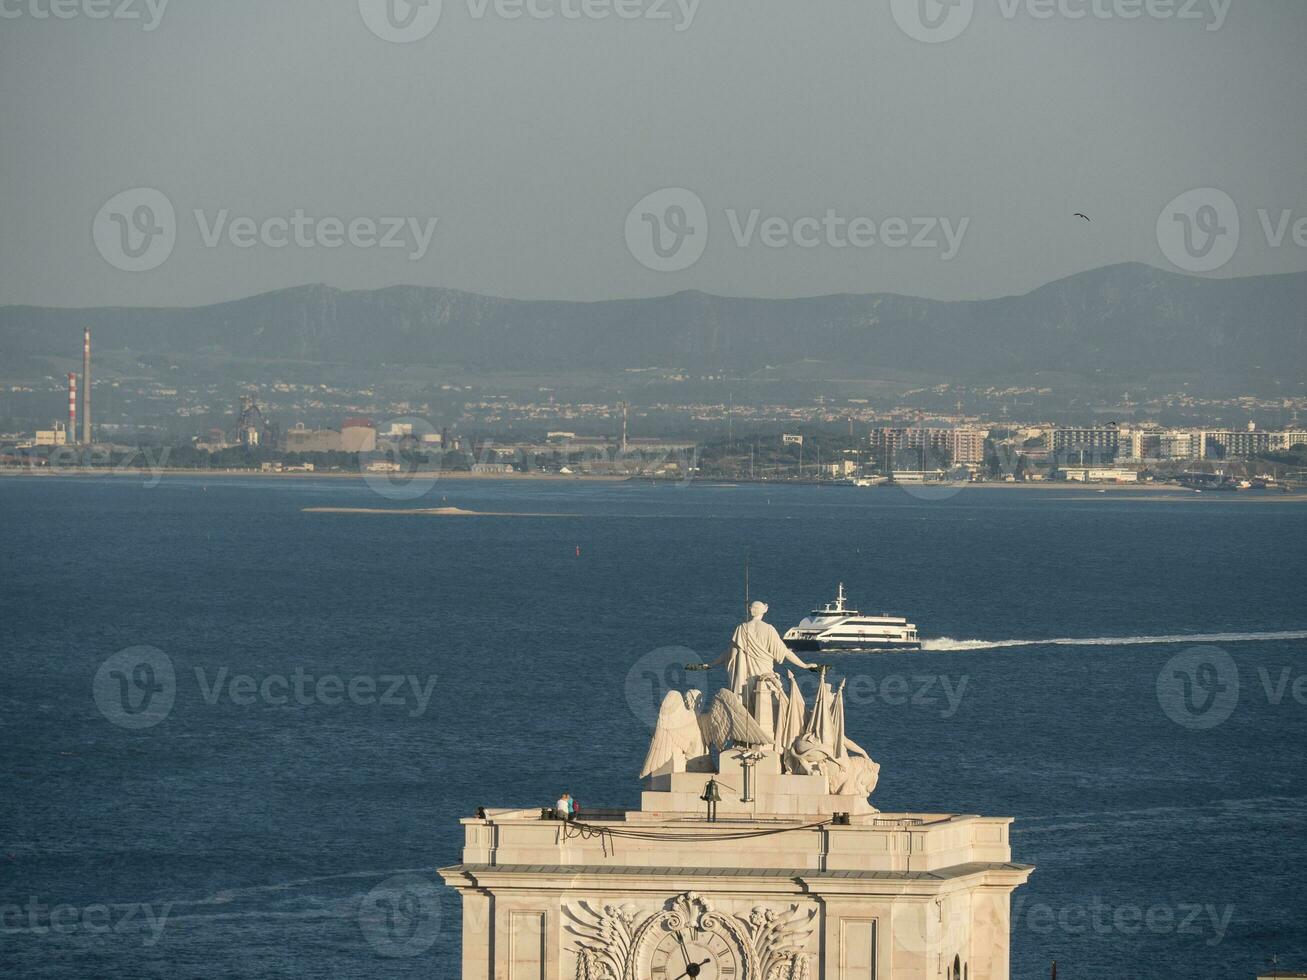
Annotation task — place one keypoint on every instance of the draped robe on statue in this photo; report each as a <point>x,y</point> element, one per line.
<point>756,649</point>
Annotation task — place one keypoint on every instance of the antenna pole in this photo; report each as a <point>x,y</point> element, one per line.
<point>746,586</point>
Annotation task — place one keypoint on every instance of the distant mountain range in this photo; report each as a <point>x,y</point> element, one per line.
<point>1121,324</point>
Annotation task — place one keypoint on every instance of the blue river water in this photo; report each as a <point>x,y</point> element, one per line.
<point>239,823</point>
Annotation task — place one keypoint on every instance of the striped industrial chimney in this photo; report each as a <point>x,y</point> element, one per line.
<point>86,386</point>
<point>72,406</point>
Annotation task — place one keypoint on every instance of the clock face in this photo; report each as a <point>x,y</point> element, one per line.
<point>693,954</point>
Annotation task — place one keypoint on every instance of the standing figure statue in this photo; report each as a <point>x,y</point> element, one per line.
<point>756,648</point>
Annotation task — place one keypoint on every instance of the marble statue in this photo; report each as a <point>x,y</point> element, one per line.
<point>802,880</point>
<point>678,738</point>
<point>756,648</point>
<point>755,712</point>
<point>682,736</point>
<point>728,721</point>
<point>822,748</point>
<point>791,726</point>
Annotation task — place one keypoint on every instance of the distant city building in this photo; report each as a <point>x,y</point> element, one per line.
<point>358,435</point>
<point>213,441</point>
<point>492,468</point>
<point>1281,441</point>
<point>1226,443</point>
<point>300,439</point>
<point>1099,445</point>
<point>917,476</point>
<point>966,445</point>
<point>1095,474</point>
<point>1136,444</point>
<point>961,444</point>
<point>1178,444</point>
<point>57,436</point>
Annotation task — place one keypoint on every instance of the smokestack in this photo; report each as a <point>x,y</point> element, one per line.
<point>86,386</point>
<point>72,407</point>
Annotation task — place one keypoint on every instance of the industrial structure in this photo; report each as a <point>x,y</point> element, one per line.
<point>86,386</point>
<point>72,405</point>
<point>252,428</point>
<point>356,435</point>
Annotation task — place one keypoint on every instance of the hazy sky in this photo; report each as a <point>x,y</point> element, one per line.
<point>530,140</point>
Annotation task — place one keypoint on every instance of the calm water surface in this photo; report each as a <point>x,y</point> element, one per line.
<point>240,834</point>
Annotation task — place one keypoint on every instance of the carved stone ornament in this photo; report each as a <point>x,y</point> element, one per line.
<point>628,942</point>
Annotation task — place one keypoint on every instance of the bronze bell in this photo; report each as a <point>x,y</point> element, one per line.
<point>711,793</point>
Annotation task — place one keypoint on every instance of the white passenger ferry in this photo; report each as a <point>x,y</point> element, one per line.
<point>835,627</point>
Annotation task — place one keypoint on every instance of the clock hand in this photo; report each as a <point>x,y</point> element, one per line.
<point>685,953</point>
<point>691,969</point>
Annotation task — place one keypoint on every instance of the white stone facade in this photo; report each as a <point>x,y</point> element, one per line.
<point>792,874</point>
<point>902,896</point>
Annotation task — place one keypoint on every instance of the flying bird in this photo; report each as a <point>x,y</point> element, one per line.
<point>1079,215</point>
